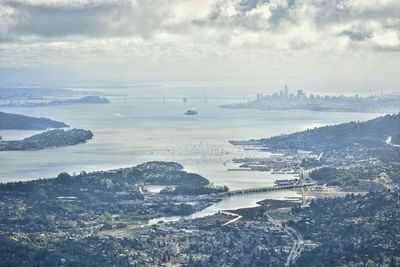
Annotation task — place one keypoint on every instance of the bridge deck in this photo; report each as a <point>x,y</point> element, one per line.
<point>262,189</point>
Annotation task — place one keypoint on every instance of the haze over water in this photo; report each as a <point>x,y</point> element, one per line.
<point>134,131</point>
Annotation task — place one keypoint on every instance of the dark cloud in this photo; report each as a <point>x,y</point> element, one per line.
<point>331,11</point>
<point>58,21</point>
<point>278,14</point>
<point>38,20</point>
<point>97,19</point>
<point>342,11</point>
<point>242,20</point>
<point>247,5</point>
<point>357,35</point>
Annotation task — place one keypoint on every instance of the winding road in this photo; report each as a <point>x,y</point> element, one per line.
<point>298,241</point>
<point>389,142</point>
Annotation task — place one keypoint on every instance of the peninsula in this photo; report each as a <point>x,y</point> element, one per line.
<point>48,139</point>
<point>354,156</point>
<point>22,122</point>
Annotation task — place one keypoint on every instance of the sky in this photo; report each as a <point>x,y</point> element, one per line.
<point>346,44</point>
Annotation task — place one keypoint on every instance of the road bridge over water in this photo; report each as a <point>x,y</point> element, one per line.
<point>263,189</point>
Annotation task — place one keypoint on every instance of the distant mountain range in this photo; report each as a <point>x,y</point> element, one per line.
<point>22,122</point>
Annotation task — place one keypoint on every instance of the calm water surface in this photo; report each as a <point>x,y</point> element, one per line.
<point>132,131</point>
<point>230,203</point>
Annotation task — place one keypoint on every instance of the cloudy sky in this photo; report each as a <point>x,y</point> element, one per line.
<point>313,43</point>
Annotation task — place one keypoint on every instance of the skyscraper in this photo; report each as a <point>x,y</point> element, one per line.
<point>286,91</point>
<point>299,93</point>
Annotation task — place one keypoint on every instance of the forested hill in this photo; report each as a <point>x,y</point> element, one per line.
<point>52,138</point>
<point>22,122</point>
<point>369,133</point>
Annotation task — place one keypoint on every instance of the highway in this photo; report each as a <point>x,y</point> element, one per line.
<point>238,217</point>
<point>263,189</point>
<point>389,142</point>
<point>298,245</point>
<point>298,241</point>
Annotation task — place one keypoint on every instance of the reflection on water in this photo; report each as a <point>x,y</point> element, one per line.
<point>230,203</point>
<point>136,131</point>
<point>152,130</point>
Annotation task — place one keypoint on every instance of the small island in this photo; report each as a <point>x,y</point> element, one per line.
<point>41,102</point>
<point>22,122</point>
<point>48,139</point>
<point>84,100</point>
<point>191,112</point>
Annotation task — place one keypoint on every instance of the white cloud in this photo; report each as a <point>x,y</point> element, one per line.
<point>144,32</point>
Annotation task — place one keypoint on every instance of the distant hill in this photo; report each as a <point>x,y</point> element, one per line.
<point>83,100</point>
<point>93,100</point>
<point>368,133</point>
<point>347,143</point>
<point>22,122</point>
<point>42,103</point>
<point>53,138</point>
